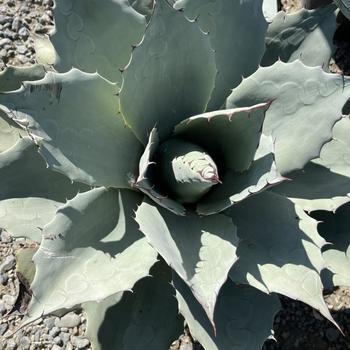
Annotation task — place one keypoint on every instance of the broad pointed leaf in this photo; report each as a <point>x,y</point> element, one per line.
<point>146,318</point>
<point>280,249</point>
<point>96,35</point>
<point>200,249</point>
<point>74,119</point>
<point>147,182</point>
<point>237,34</point>
<point>324,183</point>
<point>170,76</point>
<point>243,317</point>
<point>11,79</point>
<point>335,228</point>
<point>230,136</point>
<point>90,250</point>
<point>307,103</point>
<point>237,186</point>
<point>306,35</point>
<point>29,192</point>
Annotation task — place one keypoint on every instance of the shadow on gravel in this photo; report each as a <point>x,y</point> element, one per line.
<point>298,326</point>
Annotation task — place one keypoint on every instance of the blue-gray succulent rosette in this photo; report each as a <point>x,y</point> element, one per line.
<point>175,149</point>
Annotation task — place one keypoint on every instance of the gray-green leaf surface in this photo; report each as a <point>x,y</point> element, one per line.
<point>280,249</point>
<point>170,76</point>
<point>243,317</point>
<point>306,35</point>
<point>307,103</point>
<point>74,119</point>
<point>146,317</point>
<point>200,249</point>
<point>89,251</point>
<point>29,192</point>
<point>233,27</point>
<point>96,35</point>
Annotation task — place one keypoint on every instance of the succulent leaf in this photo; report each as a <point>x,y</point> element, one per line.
<point>145,7</point>
<point>11,79</point>
<point>10,132</point>
<point>95,35</point>
<point>324,183</point>
<point>200,249</point>
<point>237,186</point>
<point>243,316</point>
<point>280,249</point>
<point>146,318</point>
<point>187,171</point>
<point>231,136</point>
<point>145,179</point>
<point>306,35</point>
<point>307,103</point>
<point>89,251</point>
<point>29,192</point>
<point>335,228</point>
<point>126,110</point>
<point>232,27</point>
<point>76,123</point>
<point>183,72</point>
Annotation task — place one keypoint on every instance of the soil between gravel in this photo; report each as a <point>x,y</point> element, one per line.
<point>297,326</point>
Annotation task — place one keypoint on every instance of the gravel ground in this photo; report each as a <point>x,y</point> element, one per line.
<point>296,325</point>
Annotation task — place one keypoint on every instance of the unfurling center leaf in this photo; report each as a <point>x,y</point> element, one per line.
<point>187,170</point>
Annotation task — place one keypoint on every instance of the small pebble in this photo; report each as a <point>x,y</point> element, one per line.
<point>24,343</point>
<point>5,237</point>
<point>21,49</point>
<point>9,300</point>
<point>79,342</point>
<point>58,341</point>
<point>64,337</point>
<point>4,41</point>
<point>15,24</point>
<point>54,331</point>
<point>49,322</point>
<point>4,19</point>
<point>23,32</point>
<point>11,345</point>
<point>3,276</point>
<point>37,335</point>
<point>186,346</point>
<point>69,346</point>
<point>69,320</point>
<point>56,347</point>
<point>3,328</point>
<point>9,262</point>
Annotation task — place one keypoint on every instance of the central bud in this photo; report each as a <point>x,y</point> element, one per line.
<point>187,171</point>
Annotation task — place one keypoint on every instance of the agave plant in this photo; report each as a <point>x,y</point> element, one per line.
<point>140,159</point>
